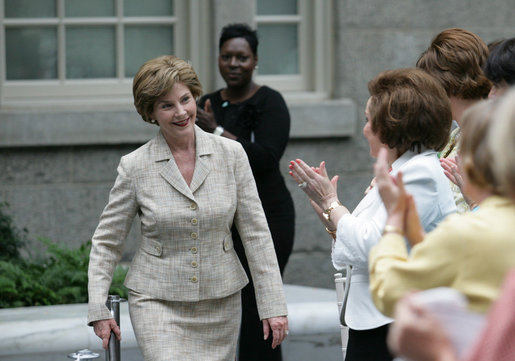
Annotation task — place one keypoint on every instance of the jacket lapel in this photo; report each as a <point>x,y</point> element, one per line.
<point>170,172</point>
<point>204,148</point>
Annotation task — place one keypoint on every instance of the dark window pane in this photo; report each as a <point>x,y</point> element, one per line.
<point>30,8</point>
<point>277,7</point>
<point>90,52</point>
<point>87,8</point>
<point>31,53</point>
<point>143,43</point>
<point>271,38</point>
<point>148,8</point>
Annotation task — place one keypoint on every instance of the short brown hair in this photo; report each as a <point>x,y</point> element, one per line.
<point>156,77</point>
<point>475,156</point>
<point>456,57</point>
<point>409,109</point>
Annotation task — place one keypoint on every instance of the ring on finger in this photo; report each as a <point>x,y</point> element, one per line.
<point>303,185</point>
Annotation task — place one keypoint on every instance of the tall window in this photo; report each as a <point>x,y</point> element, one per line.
<point>81,47</point>
<point>295,44</point>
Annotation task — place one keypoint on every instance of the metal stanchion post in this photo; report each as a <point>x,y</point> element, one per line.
<point>84,354</point>
<point>113,349</point>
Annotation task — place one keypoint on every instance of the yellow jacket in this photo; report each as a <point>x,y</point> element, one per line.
<point>469,252</point>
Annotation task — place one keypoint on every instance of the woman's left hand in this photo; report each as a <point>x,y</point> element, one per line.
<point>450,169</point>
<point>279,327</point>
<point>206,117</point>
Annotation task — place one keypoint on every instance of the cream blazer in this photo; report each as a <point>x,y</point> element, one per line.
<point>186,251</point>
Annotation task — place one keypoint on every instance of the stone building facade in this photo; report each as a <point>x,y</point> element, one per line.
<point>58,154</point>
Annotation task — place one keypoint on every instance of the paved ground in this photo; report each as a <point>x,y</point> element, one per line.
<point>50,333</point>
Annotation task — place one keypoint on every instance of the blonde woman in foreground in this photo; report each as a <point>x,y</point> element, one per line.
<point>417,334</point>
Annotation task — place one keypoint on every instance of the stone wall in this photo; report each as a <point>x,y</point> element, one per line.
<point>373,36</point>
<point>59,192</point>
<point>57,184</point>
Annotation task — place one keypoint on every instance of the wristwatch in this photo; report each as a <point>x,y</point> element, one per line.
<point>327,212</point>
<point>218,130</point>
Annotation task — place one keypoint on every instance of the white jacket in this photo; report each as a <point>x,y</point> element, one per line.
<point>358,232</point>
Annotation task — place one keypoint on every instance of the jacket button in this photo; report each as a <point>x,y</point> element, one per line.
<point>194,264</point>
<point>194,279</point>
<point>194,250</point>
<point>194,235</point>
<point>194,221</point>
<point>226,244</point>
<point>158,249</point>
<point>193,206</point>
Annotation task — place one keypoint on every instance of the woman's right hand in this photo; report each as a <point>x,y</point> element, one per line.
<point>103,330</point>
<point>206,117</point>
<point>390,188</point>
<point>417,334</point>
<point>400,206</point>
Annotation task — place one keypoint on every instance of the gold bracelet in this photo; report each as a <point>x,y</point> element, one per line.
<point>332,233</point>
<point>392,229</point>
<point>327,213</point>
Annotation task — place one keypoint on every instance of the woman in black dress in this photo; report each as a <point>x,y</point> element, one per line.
<point>257,117</point>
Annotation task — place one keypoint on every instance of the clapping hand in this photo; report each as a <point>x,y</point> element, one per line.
<point>400,206</point>
<point>314,182</point>
<point>321,190</point>
<point>450,169</point>
<point>206,117</point>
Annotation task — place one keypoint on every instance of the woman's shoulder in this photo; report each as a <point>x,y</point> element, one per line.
<point>424,169</point>
<point>138,152</point>
<point>268,98</point>
<point>425,161</point>
<point>266,92</point>
<point>213,97</point>
<point>220,144</point>
<point>150,149</point>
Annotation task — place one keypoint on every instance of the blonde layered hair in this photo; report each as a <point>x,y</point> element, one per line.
<point>501,141</point>
<point>475,155</point>
<point>157,77</point>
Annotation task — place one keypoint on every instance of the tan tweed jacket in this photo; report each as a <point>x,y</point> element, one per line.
<point>186,251</point>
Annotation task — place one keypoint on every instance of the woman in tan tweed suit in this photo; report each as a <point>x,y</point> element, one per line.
<point>188,187</point>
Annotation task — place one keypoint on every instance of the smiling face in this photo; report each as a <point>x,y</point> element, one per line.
<point>236,62</point>
<point>176,111</point>
<point>373,140</point>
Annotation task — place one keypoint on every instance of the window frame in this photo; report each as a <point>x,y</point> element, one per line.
<point>315,42</point>
<point>193,41</point>
<point>117,90</point>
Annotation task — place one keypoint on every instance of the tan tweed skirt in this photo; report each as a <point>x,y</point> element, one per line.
<point>186,331</point>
